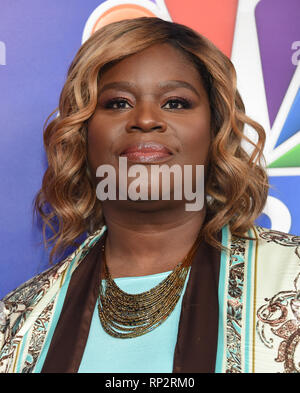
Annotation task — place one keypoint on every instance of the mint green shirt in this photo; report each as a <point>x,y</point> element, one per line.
<point>150,353</point>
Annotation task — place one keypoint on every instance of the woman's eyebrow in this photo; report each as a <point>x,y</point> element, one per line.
<point>170,84</point>
<point>177,83</point>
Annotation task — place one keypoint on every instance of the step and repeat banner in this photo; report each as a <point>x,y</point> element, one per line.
<point>38,40</point>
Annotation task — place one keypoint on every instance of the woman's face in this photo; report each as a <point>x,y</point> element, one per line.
<point>158,96</point>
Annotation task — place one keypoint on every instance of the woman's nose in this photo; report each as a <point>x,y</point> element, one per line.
<point>146,117</point>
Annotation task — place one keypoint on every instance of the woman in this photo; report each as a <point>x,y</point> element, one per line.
<point>155,287</point>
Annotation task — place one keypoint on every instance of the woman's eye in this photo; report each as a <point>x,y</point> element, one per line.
<point>117,104</point>
<point>178,104</point>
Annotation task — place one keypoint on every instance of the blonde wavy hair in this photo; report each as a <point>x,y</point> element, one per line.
<point>236,183</point>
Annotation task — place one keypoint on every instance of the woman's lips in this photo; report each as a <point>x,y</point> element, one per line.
<point>147,152</point>
<point>147,156</point>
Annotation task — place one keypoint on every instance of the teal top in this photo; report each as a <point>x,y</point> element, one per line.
<point>152,352</point>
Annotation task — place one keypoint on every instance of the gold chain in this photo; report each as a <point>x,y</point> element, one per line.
<point>124,315</point>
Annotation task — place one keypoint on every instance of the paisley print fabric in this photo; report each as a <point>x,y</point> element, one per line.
<point>278,318</point>
<point>259,303</point>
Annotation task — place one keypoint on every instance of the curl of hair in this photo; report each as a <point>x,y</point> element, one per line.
<point>236,184</point>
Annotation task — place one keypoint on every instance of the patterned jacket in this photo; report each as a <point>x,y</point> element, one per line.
<point>258,327</point>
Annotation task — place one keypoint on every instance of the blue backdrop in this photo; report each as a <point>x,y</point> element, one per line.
<point>38,40</point>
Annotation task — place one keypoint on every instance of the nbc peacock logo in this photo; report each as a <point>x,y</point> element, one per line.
<point>262,38</point>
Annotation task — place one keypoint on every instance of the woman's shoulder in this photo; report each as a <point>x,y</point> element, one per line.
<point>278,241</point>
<point>27,292</point>
<point>259,301</point>
<point>17,305</point>
<point>275,251</point>
<point>268,246</point>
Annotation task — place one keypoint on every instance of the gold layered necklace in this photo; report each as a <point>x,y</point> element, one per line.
<point>125,315</point>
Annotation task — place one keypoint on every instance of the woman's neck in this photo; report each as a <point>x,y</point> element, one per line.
<point>142,242</point>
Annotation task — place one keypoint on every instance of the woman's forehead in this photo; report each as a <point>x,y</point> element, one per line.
<point>158,64</point>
